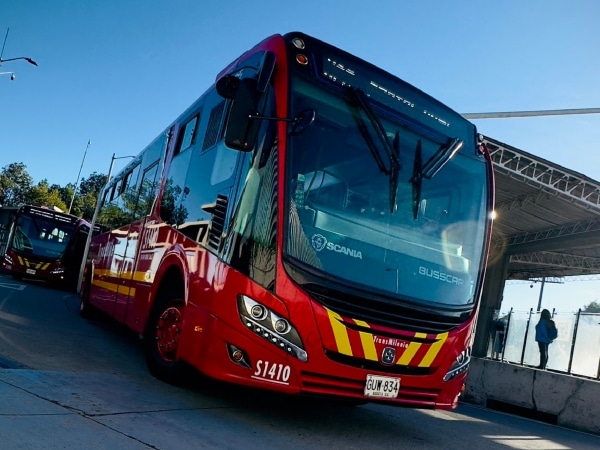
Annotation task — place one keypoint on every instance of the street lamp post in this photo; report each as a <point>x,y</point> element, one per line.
<point>25,58</point>
<point>78,175</point>
<point>93,223</point>
<point>12,75</point>
<point>29,60</point>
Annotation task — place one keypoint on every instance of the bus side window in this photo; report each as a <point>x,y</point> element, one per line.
<point>199,182</point>
<point>146,177</point>
<point>178,168</point>
<point>187,135</point>
<point>147,192</point>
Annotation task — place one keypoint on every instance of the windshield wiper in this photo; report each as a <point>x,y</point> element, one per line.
<point>417,180</point>
<point>440,158</point>
<point>395,169</point>
<point>358,99</point>
<point>428,170</point>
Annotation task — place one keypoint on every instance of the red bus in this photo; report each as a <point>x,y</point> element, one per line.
<point>45,244</point>
<point>310,225</point>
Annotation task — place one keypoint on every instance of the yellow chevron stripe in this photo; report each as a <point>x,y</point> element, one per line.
<point>340,333</point>
<point>434,349</point>
<point>366,339</point>
<point>411,351</point>
<point>343,342</point>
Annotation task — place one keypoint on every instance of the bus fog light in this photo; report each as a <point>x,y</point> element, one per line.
<point>238,356</point>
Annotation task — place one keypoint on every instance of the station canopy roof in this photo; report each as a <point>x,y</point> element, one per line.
<point>547,216</point>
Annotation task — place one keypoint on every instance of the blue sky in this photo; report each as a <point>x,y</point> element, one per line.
<point>117,72</point>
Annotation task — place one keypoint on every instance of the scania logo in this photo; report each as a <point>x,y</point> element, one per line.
<point>318,242</point>
<point>388,355</point>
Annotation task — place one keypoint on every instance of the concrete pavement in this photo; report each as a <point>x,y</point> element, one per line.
<point>47,410</point>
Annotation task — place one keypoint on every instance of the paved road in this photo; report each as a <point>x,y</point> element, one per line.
<point>70,383</point>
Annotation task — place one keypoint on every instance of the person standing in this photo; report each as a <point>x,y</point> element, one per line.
<point>500,329</point>
<point>545,333</point>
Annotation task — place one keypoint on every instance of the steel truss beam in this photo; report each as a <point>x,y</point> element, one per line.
<point>541,174</point>
<point>586,263</point>
<point>522,201</point>
<point>589,228</point>
<point>582,227</point>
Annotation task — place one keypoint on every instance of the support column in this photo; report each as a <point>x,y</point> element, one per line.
<point>490,301</point>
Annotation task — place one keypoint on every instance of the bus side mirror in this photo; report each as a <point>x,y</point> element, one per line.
<point>242,126</point>
<point>227,86</point>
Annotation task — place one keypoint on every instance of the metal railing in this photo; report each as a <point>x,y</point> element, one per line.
<point>576,350</point>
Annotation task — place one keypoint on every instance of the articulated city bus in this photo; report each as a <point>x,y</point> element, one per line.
<point>310,225</point>
<point>45,244</point>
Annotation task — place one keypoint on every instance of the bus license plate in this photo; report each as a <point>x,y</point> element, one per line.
<point>378,386</point>
<point>30,271</point>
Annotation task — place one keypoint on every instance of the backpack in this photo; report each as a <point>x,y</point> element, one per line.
<point>552,331</point>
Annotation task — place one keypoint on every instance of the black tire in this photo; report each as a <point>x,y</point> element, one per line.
<point>161,341</point>
<point>86,310</point>
<point>16,276</point>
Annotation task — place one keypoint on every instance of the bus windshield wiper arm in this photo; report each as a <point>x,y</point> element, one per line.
<point>428,170</point>
<point>357,98</point>
<point>440,158</point>
<point>417,180</point>
<point>395,169</point>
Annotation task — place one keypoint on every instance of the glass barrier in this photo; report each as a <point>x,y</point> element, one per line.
<point>575,351</point>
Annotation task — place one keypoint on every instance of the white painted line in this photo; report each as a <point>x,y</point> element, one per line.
<point>16,287</point>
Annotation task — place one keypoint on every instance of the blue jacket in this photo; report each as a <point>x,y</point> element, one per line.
<point>541,332</point>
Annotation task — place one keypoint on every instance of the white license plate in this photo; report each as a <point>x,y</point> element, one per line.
<point>382,387</point>
<point>30,271</point>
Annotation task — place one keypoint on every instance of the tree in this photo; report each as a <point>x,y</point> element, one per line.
<point>44,195</point>
<point>93,184</point>
<point>15,184</point>
<point>17,188</point>
<point>89,191</point>
<point>65,192</point>
<point>593,307</point>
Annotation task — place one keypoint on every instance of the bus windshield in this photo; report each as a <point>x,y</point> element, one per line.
<point>382,202</point>
<point>36,236</point>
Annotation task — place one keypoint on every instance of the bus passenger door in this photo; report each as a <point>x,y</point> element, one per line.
<point>139,196</point>
<point>125,257</point>
<point>102,286</point>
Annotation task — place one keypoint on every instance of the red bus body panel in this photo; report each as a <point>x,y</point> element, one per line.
<point>130,263</point>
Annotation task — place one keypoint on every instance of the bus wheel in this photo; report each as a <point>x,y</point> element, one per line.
<point>161,341</point>
<point>86,310</point>
<point>16,276</point>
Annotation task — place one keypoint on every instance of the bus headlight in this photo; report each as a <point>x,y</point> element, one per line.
<point>271,327</point>
<point>460,365</point>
